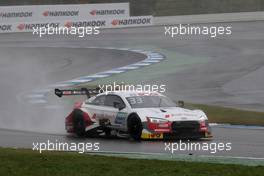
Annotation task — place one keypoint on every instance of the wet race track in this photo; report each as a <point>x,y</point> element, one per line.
<point>232,76</point>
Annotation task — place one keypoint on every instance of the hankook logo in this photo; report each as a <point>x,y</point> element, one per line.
<point>108,12</point>
<point>60,13</point>
<point>5,27</point>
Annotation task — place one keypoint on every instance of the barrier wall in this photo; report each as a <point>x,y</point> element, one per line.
<point>28,18</point>
<point>62,12</point>
<point>102,23</point>
<point>165,7</point>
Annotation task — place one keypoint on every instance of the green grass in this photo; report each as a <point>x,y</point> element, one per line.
<point>218,114</point>
<point>26,163</point>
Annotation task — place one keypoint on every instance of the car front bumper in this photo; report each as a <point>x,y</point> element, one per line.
<point>177,130</point>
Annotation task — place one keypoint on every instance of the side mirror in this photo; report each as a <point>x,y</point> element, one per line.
<point>118,105</point>
<point>180,103</point>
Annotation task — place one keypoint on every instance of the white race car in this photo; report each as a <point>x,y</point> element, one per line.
<point>136,114</point>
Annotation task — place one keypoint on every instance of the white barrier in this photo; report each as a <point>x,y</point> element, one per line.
<point>100,22</point>
<point>9,14</point>
<point>28,18</point>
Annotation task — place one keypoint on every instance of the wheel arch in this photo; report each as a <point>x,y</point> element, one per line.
<point>85,115</point>
<point>69,121</point>
<point>134,132</point>
<point>131,115</point>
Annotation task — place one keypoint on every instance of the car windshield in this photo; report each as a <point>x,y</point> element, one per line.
<point>150,102</point>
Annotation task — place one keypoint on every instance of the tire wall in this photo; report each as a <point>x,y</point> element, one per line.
<point>164,7</point>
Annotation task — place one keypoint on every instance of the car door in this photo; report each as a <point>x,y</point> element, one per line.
<point>117,117</point>
<point>95,109</point>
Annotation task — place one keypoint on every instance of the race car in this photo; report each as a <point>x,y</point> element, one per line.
<point>138,115</point>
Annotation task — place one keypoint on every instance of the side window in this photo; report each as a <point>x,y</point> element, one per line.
<point>100,100</point>
<point>110,99</point>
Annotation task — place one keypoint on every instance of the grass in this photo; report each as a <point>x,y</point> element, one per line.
<point>19,162</point>
<point>218,114</point>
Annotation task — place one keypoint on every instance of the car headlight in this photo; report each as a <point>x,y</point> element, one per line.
<point>203,117</point>
<point>156,120</point>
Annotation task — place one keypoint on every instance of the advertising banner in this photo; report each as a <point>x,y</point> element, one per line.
<point>99,22</point>
<point>62,12</point>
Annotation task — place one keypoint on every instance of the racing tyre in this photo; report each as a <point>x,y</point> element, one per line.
<point>107,132</point>
<point>78,123</point>
<point>134,127</point>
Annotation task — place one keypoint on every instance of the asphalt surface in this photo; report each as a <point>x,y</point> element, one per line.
<point>24,69</point>
<point>231,77</point>
<point>244,143</point>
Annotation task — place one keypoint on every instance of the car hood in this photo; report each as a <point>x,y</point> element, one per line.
<point>171,114</point>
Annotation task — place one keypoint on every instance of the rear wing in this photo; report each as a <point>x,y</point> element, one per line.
<point>82,91</point>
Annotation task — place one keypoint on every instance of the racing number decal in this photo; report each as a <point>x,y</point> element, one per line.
<point>135,100</point>
<point>120,118</point>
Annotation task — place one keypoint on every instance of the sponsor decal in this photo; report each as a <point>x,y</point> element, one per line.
<point>85,23</point>
<point>60,13</point>
<point>156,136</point>
<point>115,22</point>
<point>108,12</point>
<point>167,116</point>
<point>183,114</point>
<point>120,118</point>
<point>68,24</point>
<point>22,26</point>
<point>16,14</point>
<point>152,136</point>
<point>5,27</point>
<point>94,116</point>
<point>136,21</point>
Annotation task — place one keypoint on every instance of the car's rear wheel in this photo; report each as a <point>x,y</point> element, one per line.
<point>107,132</point>
<point>134,127</point>
<point>78,123</point>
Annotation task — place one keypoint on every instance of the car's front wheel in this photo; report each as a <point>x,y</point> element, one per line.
<point>134,127</point>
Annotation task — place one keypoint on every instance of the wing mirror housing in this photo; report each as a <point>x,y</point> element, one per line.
<point>119,106</point>
<point>180,103</point>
